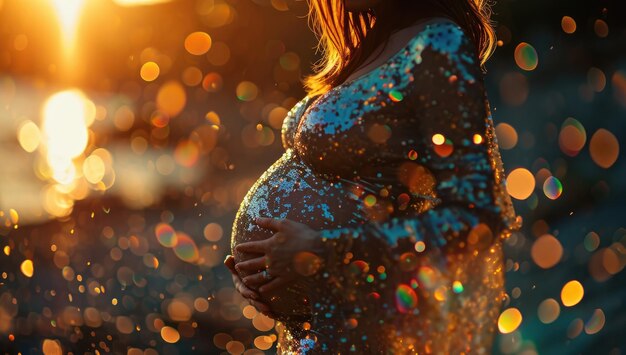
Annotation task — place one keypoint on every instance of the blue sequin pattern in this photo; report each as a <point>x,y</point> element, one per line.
<point>402,170</point>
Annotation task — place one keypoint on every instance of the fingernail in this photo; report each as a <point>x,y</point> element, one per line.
<point>237,267</point>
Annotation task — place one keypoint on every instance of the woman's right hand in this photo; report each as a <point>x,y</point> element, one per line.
<point>248,293</point>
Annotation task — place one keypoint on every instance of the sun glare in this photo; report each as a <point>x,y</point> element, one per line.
<point>68,12</point>
<point>66,116</point>
<point>139,2</point>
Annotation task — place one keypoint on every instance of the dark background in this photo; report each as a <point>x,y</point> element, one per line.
<point>112,249</point>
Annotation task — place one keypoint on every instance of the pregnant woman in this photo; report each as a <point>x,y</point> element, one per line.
<point>380,228</point>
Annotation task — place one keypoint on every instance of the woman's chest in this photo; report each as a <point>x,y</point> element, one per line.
<point>353,127</point>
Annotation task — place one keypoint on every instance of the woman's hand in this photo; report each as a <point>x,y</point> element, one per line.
<point>246,292</point>
<point>295,250</point>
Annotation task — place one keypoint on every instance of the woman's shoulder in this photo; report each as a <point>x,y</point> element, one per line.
<point>429,40</point>
<point>440,42</point>
<point>443,34</point>
<point>437,46</point>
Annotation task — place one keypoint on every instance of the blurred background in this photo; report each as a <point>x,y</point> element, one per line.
<point>130,131</point>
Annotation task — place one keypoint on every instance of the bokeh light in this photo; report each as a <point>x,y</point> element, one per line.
<point>596,79</point>
<point>548,310</point>
<point>406,299</point>
<point>166,235</point>
<point>568,24</point>
<point>29,136</point>
<point>170,334</point>
<point>94,169</point>
<point>198,43</point>
<point>572,137</point>
<point>509,320</point>
<point>51,347</point>
<point>520,183</point>
<point>66,116</point>
<point>601,28</point>
<point>171,98</point>
<point>306,263</point>
<point>130,137</point>
<point>185,248</point>
<point>150,71</point>
<point>212,82</point>
<point>247,91</point>
<point>572,293</point>
<point>27,268</point>
<point>219,54</point>
<point>552,188</point>
<point>546,251</point>
<point>596,322</point>
<point>526,56</point>
<point>604,148</point>
<point>507,136</point>
<point>186,153</point>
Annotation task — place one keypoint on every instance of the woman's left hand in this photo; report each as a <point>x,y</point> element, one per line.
<point>285,252</point>
<point>251,295</point>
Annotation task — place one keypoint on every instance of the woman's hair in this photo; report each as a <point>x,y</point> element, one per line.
<point>347,39</point>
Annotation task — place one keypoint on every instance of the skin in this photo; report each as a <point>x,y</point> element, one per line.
<point>251,295</point>
<point>289,239</point>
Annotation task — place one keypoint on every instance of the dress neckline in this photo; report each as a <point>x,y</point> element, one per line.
<point>420,26</point>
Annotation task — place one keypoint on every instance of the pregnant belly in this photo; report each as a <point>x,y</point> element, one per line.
<point>289,189</point>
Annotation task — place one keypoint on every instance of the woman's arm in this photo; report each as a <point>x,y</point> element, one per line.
<point>448,141</point>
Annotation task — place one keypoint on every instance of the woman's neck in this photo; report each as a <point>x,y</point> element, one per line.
<point>391,46</point>
<point>393,16</point>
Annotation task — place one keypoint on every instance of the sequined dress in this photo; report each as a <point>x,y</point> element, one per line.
<point>399,170</point>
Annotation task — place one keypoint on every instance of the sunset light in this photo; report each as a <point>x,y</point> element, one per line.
<point>66,116</point>
<point>139,2</point>
<point>68,12</point>
<point>258,177</point>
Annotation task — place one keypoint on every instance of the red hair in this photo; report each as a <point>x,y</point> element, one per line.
<point>346,38</point>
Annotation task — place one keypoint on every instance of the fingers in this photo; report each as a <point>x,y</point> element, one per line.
<point>252,265</point>
<point>252,297</point>
<point>255,280</point>
<point>244,290</point>
<point>263,308</point>
<point>271,223</point>
<point>276,283</point>
<point>260,246</point>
